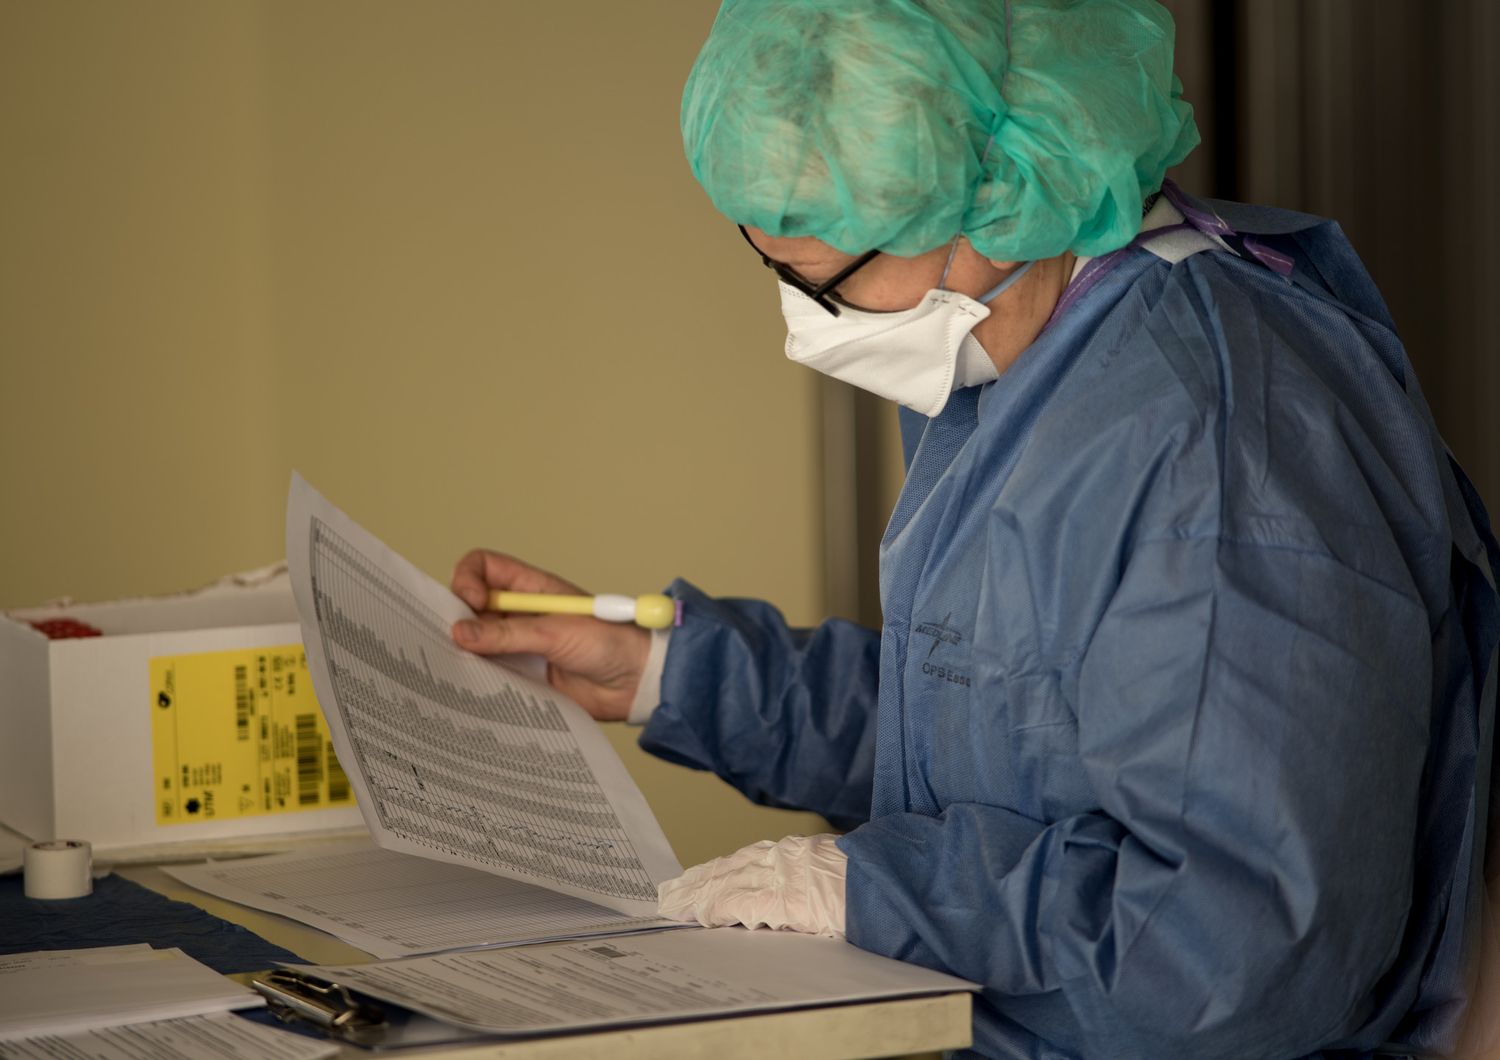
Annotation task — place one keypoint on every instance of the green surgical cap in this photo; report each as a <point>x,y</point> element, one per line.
<point>1031,127</point>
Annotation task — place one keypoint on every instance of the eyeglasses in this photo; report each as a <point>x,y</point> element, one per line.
<point>821,293</point>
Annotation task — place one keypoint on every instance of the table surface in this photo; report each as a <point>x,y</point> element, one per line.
<point>880,1028</point>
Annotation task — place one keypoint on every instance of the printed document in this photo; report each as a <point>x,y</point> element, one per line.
<point>452,756</point>
<point>60,991</point>
<point>222,1037</point>
<point>666,975</point>
<point>396,905</point>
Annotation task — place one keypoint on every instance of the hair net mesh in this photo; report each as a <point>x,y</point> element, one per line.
<point>1031,127</point>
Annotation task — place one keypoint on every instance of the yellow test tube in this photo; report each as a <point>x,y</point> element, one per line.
<point>651,611</point>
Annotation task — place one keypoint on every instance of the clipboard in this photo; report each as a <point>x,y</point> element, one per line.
<point>337,1012</point>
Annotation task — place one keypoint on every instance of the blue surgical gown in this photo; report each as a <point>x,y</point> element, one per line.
<point>1177,736</point>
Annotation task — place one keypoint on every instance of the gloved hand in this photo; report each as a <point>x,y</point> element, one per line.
<point>796,884</point>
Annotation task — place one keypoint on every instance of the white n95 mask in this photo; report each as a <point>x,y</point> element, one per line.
<point>915,357</point>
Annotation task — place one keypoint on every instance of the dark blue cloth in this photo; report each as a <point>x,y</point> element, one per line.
<point>1184,704</point>
<point>120,913</point>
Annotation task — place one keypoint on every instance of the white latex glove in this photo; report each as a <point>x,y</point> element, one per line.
<point>796,884</point>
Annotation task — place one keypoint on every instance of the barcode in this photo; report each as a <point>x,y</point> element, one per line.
<point>607,951</point>
<point>338,780</point>
<point>309,761</point>
<point>242,703</point>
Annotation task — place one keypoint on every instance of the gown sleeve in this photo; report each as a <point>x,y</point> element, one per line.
<point>1254,720</point>
<point>785,715</point>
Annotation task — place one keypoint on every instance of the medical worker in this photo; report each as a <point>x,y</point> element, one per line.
<point>1177,737</point>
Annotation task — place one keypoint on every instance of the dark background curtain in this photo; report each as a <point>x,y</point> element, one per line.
<point>1385,116</point>
<point>1381,114</point>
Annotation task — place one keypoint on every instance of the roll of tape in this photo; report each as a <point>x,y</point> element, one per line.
<point>59,868</point>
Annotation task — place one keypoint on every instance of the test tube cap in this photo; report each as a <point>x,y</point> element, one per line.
<point>655,611</point>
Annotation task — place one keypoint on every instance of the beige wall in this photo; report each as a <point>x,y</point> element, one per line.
<point>445,258</point>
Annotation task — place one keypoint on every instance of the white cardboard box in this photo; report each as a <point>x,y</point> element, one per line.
<point>77,753</point>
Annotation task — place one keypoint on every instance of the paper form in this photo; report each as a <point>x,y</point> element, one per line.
<point>220,1037</point>
<point>453,756</point>
<point>667,975</point>
<point>61,991</point>
<point>395,905</point>
<point>11,963</point>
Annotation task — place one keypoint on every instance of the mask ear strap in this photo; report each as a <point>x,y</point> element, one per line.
<point>952,250</point>
<point>997,291</point>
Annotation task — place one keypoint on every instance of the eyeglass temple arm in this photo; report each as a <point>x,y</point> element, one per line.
<point>827,285</point>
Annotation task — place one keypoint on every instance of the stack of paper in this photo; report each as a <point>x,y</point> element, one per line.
<point>126,1002</point>
<point>398,905</point>
<point>217,1037</point>
<point>55,991</point>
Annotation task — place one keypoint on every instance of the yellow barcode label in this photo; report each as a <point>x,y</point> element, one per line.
<point>239,734</point>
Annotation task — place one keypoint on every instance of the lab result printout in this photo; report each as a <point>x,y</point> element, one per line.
<point>454,756</point>
<point>395,905</point>
<point>662,976</point>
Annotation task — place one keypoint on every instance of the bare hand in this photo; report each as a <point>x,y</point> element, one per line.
<point>597,664</point>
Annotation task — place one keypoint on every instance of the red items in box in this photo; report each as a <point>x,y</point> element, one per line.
<point>65,629</point>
